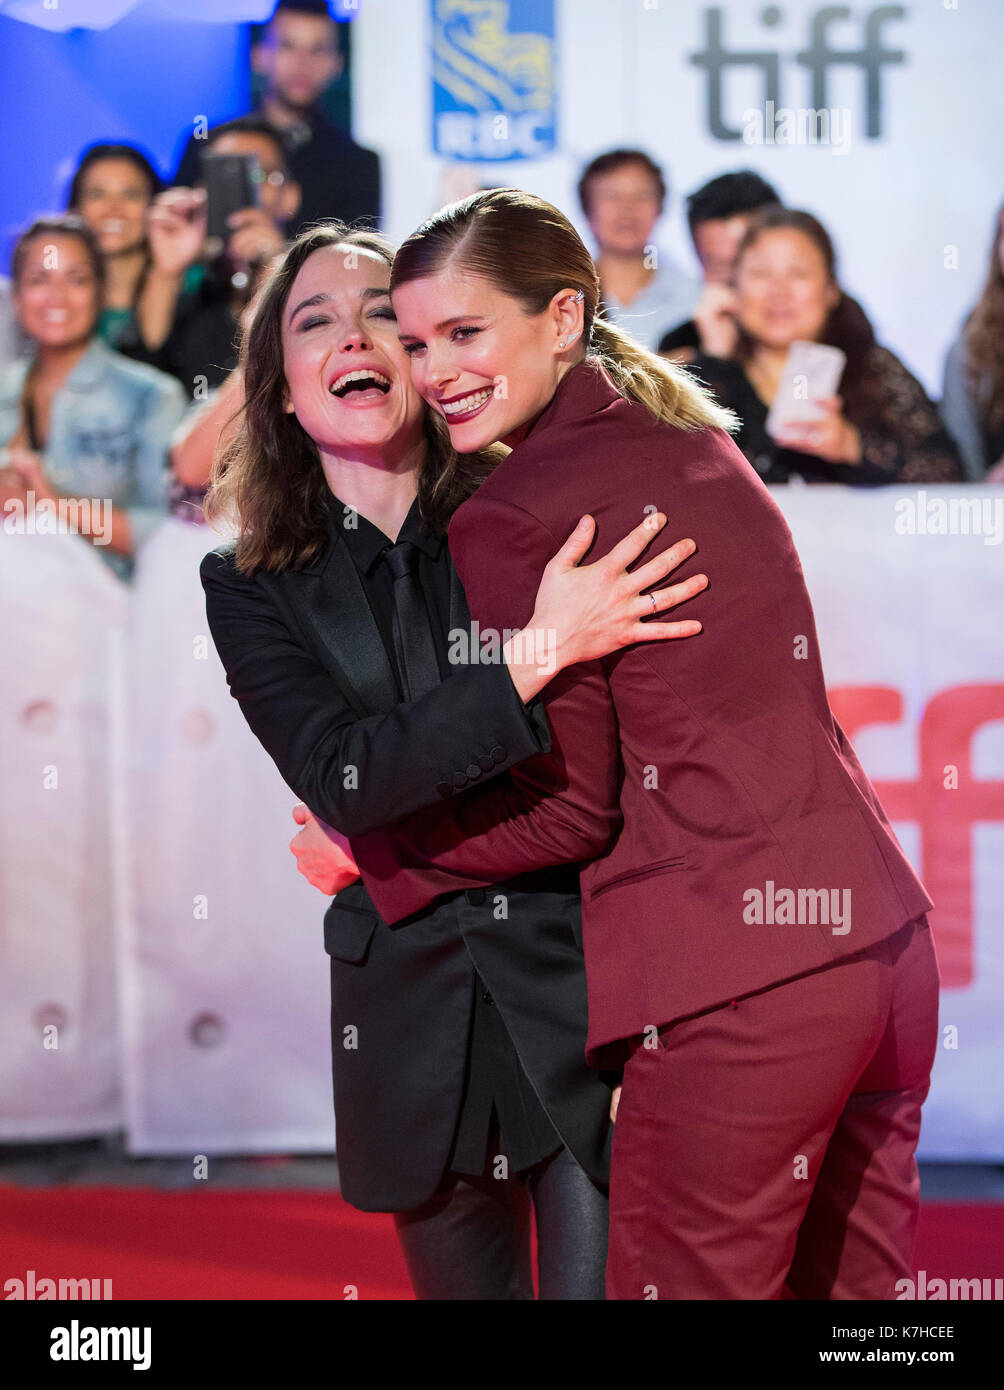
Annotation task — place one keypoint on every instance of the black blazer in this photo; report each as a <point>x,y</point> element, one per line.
<point>306,663</point>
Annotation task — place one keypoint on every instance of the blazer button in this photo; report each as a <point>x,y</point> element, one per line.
<point>486,763</point>
<point>497,754</point>
<point>473,771</point>
<point>475,896</point>
<point>487,997</point>
<point>444,788</point>
<point>460,779</point>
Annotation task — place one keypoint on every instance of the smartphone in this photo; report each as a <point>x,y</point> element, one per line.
<point>231,184</point>
<point>811,373</point>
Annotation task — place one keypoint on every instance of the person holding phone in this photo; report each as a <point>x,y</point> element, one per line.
<point>187,324</point>
<point>878,426</point>
<point>775,1057</point>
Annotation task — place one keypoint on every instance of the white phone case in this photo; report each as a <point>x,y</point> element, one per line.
<point>811,373</point>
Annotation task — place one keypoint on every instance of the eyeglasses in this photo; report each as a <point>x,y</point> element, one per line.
<point>276,178</point>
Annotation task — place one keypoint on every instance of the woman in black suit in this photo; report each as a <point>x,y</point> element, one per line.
<point>461,1089</point>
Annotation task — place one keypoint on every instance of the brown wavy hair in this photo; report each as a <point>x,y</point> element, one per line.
<point>983,334</point>
<point>530,251</point>
<point>268,477</point>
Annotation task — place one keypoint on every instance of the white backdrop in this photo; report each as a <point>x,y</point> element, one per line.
<point>625,77</point>
<point>224,1009</point>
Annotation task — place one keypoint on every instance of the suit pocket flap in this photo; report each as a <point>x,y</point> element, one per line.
<point>659,866</point>
<point>347,930</point>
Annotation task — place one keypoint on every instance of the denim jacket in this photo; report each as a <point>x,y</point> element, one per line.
<point>110,430</point>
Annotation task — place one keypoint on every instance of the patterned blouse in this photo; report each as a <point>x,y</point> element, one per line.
<point>908,444</point>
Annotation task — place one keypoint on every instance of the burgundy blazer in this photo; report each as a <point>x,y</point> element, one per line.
<point>694,774</point>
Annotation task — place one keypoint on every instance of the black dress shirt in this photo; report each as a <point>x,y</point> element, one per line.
<point>499,1112</point>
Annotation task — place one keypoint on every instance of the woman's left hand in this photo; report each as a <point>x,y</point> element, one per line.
<point>832,437</point>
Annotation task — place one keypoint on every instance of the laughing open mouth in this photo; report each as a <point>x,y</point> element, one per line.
<point>362,380</point>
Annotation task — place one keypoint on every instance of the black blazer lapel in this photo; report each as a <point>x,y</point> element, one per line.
<point>460,614</point>
<point>331,605</point>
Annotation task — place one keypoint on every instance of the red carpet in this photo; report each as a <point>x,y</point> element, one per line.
<point>303,1245</point>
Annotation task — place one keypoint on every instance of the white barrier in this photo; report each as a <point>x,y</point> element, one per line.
<point>62,611</point>
<point>223,976</point>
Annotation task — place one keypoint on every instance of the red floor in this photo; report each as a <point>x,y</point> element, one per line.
<point>303,1245</point>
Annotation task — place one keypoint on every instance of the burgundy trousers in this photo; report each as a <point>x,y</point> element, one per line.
<point>766,1149</point>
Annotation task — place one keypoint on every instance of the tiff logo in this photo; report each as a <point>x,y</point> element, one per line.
<point>871,55</point>
<point>946,799</point>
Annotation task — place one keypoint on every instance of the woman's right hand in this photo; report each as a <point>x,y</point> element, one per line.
<point>176,229</point>
<point>583,612</point>
<point>715,317</point>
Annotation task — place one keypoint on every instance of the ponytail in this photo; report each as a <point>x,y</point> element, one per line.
<point>665,389</point>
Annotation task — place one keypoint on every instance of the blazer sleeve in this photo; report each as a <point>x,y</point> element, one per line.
<point>558,808</point>
<point>356,772</point>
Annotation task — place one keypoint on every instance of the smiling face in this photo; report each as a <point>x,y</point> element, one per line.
<point>114,195</point>
<point>479,359</point>
<point>347,375</point>
<point>783,288</point>
<point>55,296</point>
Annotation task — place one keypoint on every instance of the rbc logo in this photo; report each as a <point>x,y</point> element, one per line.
<point>869,54</point>
<point>493,79</point>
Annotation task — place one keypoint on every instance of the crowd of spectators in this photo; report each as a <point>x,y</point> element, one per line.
<point>119,325</point>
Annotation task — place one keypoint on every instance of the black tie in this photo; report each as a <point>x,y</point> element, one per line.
<point>414,642</point>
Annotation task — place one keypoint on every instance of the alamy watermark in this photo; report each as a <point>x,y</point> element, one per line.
<point>474,645</point>
<point>925,1289</point>
<point>813,907</point>
<point>33,1288</point>
<point>63,516</point>
<point>798,125</point>
<point>969,514</point>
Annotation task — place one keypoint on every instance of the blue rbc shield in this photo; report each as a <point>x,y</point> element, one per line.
<point>493,87</point>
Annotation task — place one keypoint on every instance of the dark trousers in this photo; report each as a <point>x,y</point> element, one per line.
<point>471,1240</point>
<point>766,1148</point>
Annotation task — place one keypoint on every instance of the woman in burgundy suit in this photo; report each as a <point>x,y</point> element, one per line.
<point>756,944</point>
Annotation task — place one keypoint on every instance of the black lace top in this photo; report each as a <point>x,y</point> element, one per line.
<point>903,442</point>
